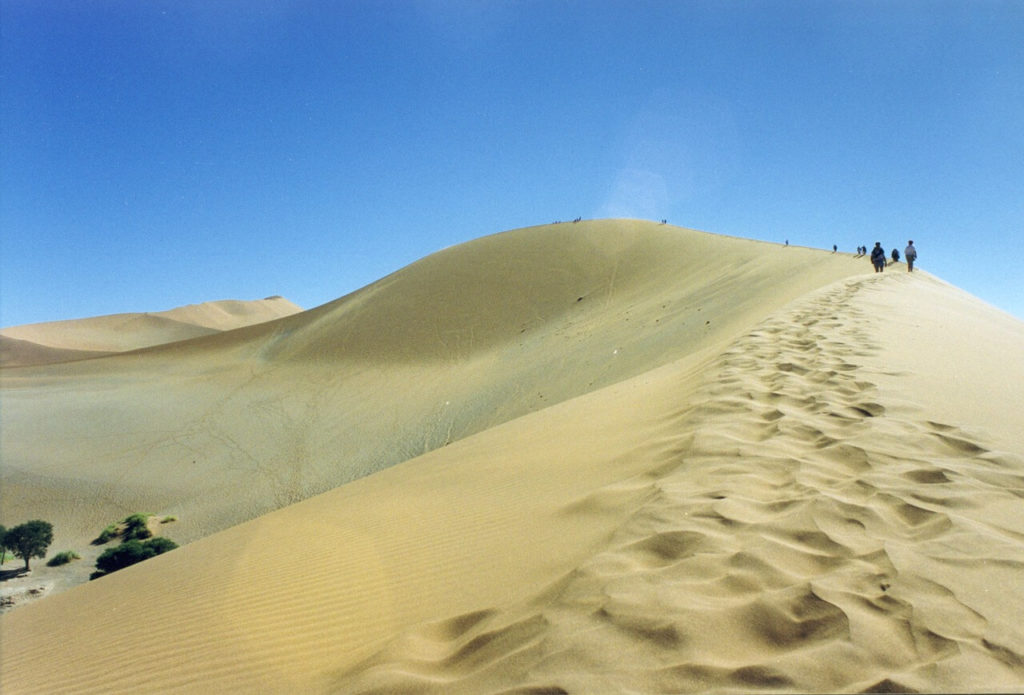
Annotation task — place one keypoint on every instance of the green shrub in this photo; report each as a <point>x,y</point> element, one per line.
<point>136,527</point>
<point>63,558</point>
<point>160,545</point>
<point>129,553</point>
<point>106,535</point>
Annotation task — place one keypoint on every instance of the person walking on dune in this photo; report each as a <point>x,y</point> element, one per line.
<point>878,257</point>
<point>910,253</point>
<point>895,255</point>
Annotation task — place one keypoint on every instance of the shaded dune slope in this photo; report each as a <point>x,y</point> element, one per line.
<point>790,511</point>
<point>25,353</point>
<point>461,341</point>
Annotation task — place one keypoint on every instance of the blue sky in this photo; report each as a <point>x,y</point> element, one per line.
<point>169,152</point>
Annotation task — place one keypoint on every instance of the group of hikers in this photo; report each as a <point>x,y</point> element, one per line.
<point>879,260</point>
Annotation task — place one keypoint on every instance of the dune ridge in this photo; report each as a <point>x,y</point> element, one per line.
<point>825,539</point>
<point>787,503</point>
<point>25,353</point>
<point>269,414</point>
<point>62,341</point>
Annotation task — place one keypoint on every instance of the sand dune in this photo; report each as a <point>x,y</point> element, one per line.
<point>25,353</point>
<point>61,341</point>
<point>270,414</point>
<point>227,314</point>
<point>675,463</point>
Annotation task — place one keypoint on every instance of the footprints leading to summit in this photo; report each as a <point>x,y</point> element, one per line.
<point>792,520</point>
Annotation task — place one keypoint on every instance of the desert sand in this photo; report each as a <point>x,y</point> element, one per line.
<point>64,341</point>
<point>602,457</point>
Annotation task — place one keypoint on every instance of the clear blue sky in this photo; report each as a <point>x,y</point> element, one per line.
<point>170,152</point>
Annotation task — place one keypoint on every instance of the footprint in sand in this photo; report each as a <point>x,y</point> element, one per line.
<point>959,446</point>
<point>662,549</point>
<point>927,476</point>
<point>915,522</point>
<point>869,409</point>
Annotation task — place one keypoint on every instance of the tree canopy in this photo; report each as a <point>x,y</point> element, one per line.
<point>29,540</point>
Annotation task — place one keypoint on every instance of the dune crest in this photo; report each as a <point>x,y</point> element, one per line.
<point>62,341</point>
<point>812,536</point>
<point>775,495</point>
<point>466,339</point>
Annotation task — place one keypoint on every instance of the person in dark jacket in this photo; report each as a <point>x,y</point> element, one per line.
<point>878,257</point>
<point>895,255</point>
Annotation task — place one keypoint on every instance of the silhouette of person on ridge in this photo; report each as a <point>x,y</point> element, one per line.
<point>878,257</point>
<point>910,253</point>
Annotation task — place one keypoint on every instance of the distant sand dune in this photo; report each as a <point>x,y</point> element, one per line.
<point>59,341</point>
<point>816,491</point>
<point>24,353</point>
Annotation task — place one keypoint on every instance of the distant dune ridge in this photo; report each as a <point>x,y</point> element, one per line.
<point>611,456</point>
<point>64,341</point>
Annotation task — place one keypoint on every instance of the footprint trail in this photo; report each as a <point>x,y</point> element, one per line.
<point>805,530</point>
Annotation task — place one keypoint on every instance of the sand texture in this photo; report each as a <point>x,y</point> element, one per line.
<point>608,457</point>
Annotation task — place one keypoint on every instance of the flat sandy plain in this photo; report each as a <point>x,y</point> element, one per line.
<point>603,457</point>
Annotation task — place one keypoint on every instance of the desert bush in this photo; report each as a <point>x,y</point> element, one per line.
<point>106,535</point>
<point>160,545</point>
<point>129,553</point>
<point>63,558</point>
<point>124,555</point>
<point>136,527</point>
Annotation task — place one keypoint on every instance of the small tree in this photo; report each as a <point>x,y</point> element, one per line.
<point>29,540</point>
<point>3,548</point>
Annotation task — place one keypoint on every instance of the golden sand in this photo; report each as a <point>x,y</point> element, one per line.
<point>598,457</point>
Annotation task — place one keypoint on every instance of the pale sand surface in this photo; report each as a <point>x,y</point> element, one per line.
<point>820,490</point>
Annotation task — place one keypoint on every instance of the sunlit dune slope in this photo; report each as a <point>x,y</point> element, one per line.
<point>824,496</point>
<point>58,341</point>
<point>227,314</point>
<point>220,429</point>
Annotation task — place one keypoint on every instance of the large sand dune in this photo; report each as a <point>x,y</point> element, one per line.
<point>463,340</point>
<point>606,457</point>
